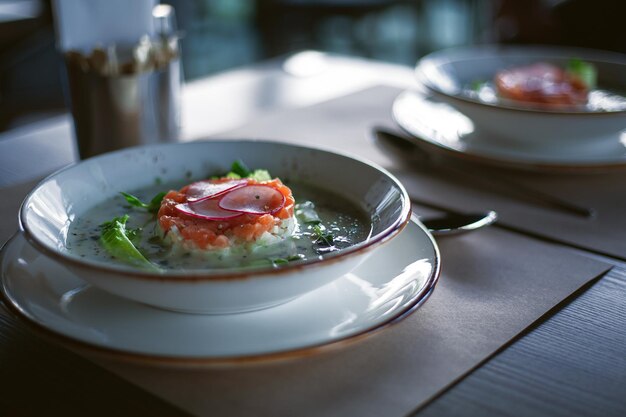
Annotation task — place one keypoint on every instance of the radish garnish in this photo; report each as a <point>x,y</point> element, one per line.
<point>203,190</point>
<point>206,210</point>
<point>253,199</point>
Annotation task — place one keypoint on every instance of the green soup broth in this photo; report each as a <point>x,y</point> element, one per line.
<point>340,224</point>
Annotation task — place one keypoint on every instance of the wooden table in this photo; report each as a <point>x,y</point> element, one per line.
<point>571,362</point>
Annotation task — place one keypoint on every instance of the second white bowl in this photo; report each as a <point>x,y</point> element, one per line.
<point>448,73</point>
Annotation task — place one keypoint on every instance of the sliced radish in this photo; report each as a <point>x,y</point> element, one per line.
<point>207,210</point>
<point>253,199</point>
<point>203,190</point>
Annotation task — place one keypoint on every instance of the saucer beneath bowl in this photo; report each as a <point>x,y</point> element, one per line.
<point>387,287</point>
<point>442,128</point>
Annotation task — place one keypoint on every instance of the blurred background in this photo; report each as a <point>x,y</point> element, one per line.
<point>224,34</point>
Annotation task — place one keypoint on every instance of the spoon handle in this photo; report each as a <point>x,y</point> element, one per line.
<point>407,149</point>
<point>527,192</point>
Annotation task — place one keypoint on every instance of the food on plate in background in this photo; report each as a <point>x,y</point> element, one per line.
<point>544,84</point>
<point>547,86</point>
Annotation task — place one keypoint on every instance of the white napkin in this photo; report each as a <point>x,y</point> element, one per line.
<point>84,24</point>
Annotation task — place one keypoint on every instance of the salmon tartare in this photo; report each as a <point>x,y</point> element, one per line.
<point>225,212</point>
<point>543,84</point>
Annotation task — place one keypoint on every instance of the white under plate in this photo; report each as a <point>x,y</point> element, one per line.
<point>392,283</point>
<point>442,128</point>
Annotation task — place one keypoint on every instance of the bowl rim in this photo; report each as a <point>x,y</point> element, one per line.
<point>201,275</point>
<point>448,55</point>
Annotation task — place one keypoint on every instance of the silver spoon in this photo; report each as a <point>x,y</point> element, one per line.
<point>454,224</point>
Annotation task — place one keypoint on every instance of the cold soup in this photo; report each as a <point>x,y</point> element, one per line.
<point>241,219</point>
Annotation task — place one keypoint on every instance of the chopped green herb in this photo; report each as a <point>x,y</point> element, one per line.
<point>279,261</point>
<point>584,71</point>
<point>133,234</point>
<point>283,261</point>
<point>476,85</point>
<point>116,240</point>
<point>259,263</point>
<point>155,240</point>
<point>239,168</point>
<point>275,262</point>
<point>152,207</point>
<point>155,203</point>
<point>134,201</point>
<point>324,237</point>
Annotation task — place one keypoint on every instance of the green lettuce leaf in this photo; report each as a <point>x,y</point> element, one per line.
<point>116,240</point>
<point>260,175</point>
<point>584,71</point>
<point>239,170</point>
